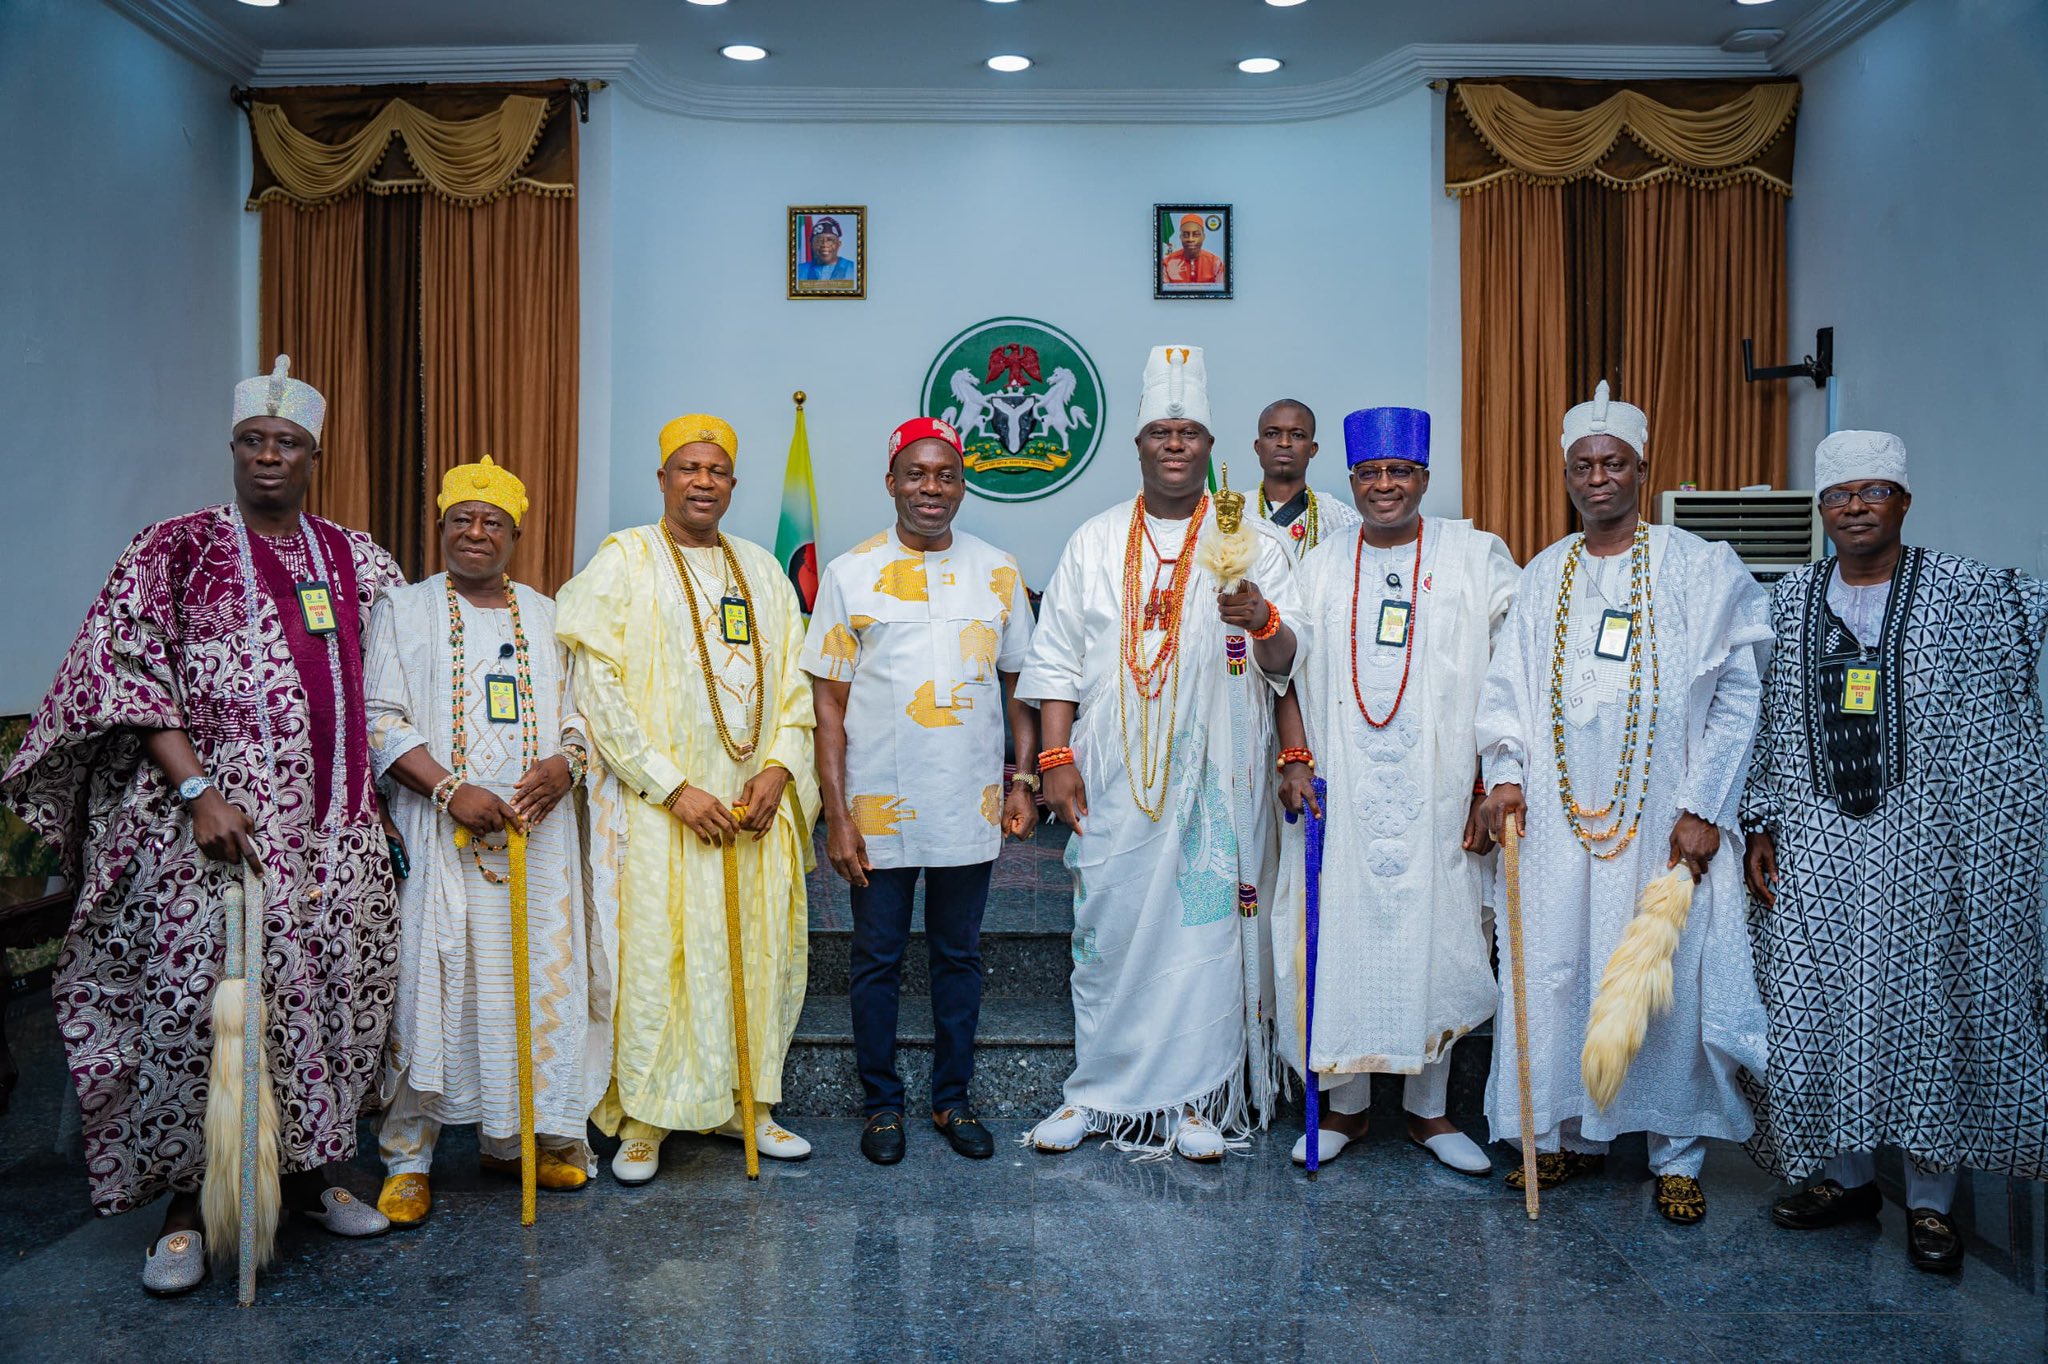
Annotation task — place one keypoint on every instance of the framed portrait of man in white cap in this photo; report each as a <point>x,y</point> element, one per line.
<point>828,251</point>
<point>1191,251</point>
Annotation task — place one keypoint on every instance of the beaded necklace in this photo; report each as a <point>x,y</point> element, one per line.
<point>529,723</point>
<point>1642,610</point>
<point>739,753</point>
<point>1162,673</point>
<point>1307,528</point>
<point>1408,647</point>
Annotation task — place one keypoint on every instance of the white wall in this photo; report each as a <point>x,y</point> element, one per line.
<point>1917,233</point>
<point>121,309</point>
<point>1341,232</point>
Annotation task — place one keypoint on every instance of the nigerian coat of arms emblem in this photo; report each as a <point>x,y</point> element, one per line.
<point>1027,402</point>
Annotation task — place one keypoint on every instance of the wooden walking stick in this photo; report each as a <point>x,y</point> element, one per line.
<point>735,955</point>
<point>1511,872</point>
<point>522,1020</point>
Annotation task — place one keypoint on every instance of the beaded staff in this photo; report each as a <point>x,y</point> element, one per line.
<point>1511,873</point>
<point>522,1017</point>
<point>1313,830</point>
<point>749,1141</point>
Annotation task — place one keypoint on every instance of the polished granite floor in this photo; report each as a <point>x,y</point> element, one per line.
<point>1086,1256</point>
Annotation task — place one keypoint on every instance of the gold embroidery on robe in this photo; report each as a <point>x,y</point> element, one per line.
<point>1003,582</point>
<point>992,804</point>
<point>840,646</point>
<point>903,579</point>
<point>924,707</point>
<point>978,649</point>
<point>878,816</point>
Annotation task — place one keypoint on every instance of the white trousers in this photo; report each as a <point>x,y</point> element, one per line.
<point>1669,1155</point>
<point>1924,1188</point>
<point>1424,1094</point>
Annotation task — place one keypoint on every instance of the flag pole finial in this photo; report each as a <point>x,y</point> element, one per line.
<point>799,396</point>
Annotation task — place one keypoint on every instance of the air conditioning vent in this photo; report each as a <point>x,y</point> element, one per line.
<point>1771,532</point>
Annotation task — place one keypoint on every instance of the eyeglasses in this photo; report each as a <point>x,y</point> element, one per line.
<point>1876,495</point>
<point>1401,473</point>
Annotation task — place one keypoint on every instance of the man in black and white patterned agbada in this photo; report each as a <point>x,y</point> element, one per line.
<point>1895,852</point>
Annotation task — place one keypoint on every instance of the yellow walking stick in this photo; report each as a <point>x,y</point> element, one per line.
<point>1511,872</point>
<point>734,954</point>
<point>522,1019</point>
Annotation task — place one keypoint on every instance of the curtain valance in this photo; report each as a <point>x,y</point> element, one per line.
<point>1552,132</point>
<point>468,145</point>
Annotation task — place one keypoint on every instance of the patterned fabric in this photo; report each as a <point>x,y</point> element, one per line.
<point>923,638</point>
<point>1902,965</point>
<point>1158,981</point>
<point>1856,756</point>
<point>164,646</point>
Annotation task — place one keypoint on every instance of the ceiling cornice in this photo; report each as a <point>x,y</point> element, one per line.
<point>1825,30</point>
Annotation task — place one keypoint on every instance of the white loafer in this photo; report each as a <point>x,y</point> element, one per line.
<point>343,1214</point>
<point>1197,1139</point>
<point>1063,1131</point>
<point>1329,1145</point>
<point>176,1264</point>
<point>1457,1152</point>
<point>774,1142</point>
<point>637,1162</point>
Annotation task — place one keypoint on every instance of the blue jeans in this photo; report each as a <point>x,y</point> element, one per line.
<point>954,898</point>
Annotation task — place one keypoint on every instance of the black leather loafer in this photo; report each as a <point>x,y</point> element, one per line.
<point>1827,1204</point>
<point>882,1139</point>
<point>966,1134</point>
<point>1932,1241</point>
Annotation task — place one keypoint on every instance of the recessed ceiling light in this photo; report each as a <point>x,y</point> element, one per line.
<point>1752,2</point>
<point>707,2</point>
<point>1259,66</point>
<point>1002,2</point>
<point>1009,63</point>
<point>264,4</point>
<point>743,52</point>
<point>1283,4</point>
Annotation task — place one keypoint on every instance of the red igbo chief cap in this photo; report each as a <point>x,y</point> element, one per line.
<point>924,428</point>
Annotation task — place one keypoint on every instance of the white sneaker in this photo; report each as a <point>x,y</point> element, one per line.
<point>637,1162</point>
<point>774,1142</point>
<point>1329,1145</point>
<point>1063,1131</point>
<point>1197,1139</point>
<point>1458,1152</point>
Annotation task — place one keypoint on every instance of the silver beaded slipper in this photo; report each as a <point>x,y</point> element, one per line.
<point>176,1264</point>
<point>346,1215</point>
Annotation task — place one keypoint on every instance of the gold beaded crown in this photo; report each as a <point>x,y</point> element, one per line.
<point>483,481</point>
<point>699,426</point>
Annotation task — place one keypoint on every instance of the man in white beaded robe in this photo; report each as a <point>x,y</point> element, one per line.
<point>686,646</point>
<point>1285,444</point>
<point>495,743</point>
<point>1399,620</point>
<point>1629,667</point>
<point>1162,1047</point>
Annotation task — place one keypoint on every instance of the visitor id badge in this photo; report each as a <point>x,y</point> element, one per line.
<point>1393,630</point>
<point>735,623</point>
<point>503,695</point>
<point>1613,640</point>
<point>316,607</point>
<point>1859,691</point>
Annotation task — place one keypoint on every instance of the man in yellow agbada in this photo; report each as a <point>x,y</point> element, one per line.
<point>685,647</point>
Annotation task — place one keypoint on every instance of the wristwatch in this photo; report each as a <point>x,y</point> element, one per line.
<point>1030,779</point>
<point>192,788</point>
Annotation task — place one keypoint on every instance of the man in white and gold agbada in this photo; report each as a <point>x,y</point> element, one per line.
<point>1128,670</point>
<point>686,646</point>
<point>1622,698</point>
<point>1400,617</point>
<point>473,727</point>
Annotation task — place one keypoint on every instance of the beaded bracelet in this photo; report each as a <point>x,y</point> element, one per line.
<point>668,802</point>
<point>1297,755</point>
<point>1055,757</point>
<point>1272,625</point>
<point>579,763</point>
<point>444,792</point>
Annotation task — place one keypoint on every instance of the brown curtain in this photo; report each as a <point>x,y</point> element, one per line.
<point>498,326</point>
<point>312,309</point>
<point>1511,253</point>
<point>1629,233</point>
<point>1706,267</point>
<point>420,267</point>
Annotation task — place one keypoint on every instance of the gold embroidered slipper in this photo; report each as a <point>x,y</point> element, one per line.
<point>1557,1167</point>
<point>1680,1199</point>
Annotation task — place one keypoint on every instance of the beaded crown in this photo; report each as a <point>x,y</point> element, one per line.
<point>483,481</point>
<point>696,426</point>
<point>1176,386</point>
<point>277,394</point>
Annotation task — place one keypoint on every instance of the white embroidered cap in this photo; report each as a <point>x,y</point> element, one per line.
<point>1604,417</point>
<point>1852,456</point>
<point>277,394</point>
<point>1176,387</point>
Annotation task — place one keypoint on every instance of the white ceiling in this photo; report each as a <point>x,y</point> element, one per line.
<point>908,45</point>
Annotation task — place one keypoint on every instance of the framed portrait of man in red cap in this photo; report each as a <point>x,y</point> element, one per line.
<point>828,255</point>
<point>1191,251</point>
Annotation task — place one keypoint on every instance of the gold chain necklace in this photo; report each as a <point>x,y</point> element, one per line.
<point>739,753</point>
<point>1642,611</point>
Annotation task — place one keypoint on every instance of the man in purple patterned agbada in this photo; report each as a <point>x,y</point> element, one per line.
<point>211,710</point>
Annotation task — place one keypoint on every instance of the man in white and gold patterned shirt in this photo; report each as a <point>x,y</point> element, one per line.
<point>918,635</point>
